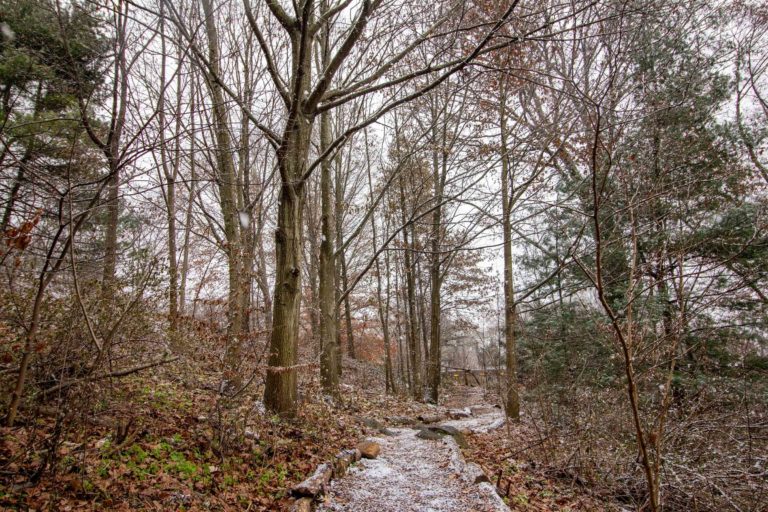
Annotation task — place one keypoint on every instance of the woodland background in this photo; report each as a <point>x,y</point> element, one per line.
<point>215,212</point>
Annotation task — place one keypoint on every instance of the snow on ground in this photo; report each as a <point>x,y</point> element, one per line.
<point>415,475</point>
<point>478,425</point>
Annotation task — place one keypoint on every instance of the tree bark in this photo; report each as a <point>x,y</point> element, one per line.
<point>170,172</point>
<point>312,302</point>
<point>329,361</point>
<point>414,351</point>
<point>383,306</point>
<point>190,203</point>
<point>512,402</point>
<point>343,276</point>
<point>112,153</point>
<point>439,175</point>
<point>226,181</point>
<point>245,206</point>
<point>280,387</point>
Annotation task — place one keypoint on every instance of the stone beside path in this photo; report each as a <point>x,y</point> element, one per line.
<point>369,449</point>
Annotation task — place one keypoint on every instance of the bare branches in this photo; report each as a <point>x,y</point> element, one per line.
<point>289,23</point>
<point>277,80</point>
<point>341,54</point>
<point>203,62</point>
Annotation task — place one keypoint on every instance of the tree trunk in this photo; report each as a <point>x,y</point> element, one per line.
<point>190,204</point>
<point>434,334</point>
<point>401,350</point>
<point>313,254</point>
<point>329,360</point>
<point>280,390</point>
<point>170,172</point>
<point>280,387</point>
<point>383,307</point>
<point>342,266</point>
<point>110,231</point>
<point>414,351</point>
<point>261,269</point>
<point>439,174</point>
<point>421,299</point>
<point>245,207</point>
<point>112,153</point>
<point>384,319</point>
<point>510,317</point>
<point>226,180</point>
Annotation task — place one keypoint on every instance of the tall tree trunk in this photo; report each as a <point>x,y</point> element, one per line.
<point>226,180</point>
<point>343,276</point>
<point>245,208</point>
<point>329,361</point>
<point>173,268</point>
<point>401,349</point>
<point>414,350</point>
<point>313,273</point>
<point>280,388</point>
<point>512,402</point>
<point>110,231</point>
<point>439,174</point>
<point>261,267</point>
<point>170,172</point>
<point>384,319</point>
<point>434,317</point>
<point>112,152</point>
<point>421,303</point>
<point>190,203</point>
<point>383,306</point>
<point>248,257</point>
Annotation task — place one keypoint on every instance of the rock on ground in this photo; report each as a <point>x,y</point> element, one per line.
<point>369,449</point>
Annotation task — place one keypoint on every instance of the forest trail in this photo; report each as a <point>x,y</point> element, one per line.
<point>419,475</point>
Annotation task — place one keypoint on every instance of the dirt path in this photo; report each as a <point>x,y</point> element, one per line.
<point>417,475</point>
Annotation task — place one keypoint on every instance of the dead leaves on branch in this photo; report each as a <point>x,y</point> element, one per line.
<point>20,237</point>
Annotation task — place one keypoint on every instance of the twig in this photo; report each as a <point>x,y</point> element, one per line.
<point>118,373</point>
<point>537,443</point>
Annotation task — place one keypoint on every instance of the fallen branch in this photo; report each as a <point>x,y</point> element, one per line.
<point>118,373</point>
<point>533,445</point>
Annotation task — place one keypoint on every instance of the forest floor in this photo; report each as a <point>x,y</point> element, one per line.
<point>164,441</point>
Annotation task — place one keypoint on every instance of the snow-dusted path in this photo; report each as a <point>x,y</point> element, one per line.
<point>416,475</point>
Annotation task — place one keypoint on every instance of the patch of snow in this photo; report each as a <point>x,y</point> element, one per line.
<point>259,408</point>
<point>478,424</point>
<point>489,491</point>
<point>8,33</point>
<point>375,468</point>
<point>245,219</point>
